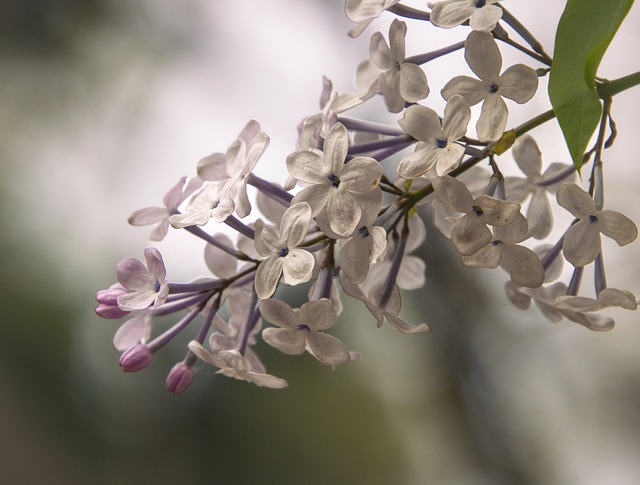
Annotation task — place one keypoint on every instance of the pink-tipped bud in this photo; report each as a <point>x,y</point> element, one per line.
<point>179,378</point>
<point>110,311</point>
<point>136,358</point>
<point>108,299</point>
<point>111,294</point>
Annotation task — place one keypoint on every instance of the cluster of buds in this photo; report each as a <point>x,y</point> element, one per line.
<point>344,226</point>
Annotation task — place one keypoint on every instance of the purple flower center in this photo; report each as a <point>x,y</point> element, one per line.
<point>363,231</point>
<point>335,181</point>
<point>441,143</point>
<point>493,88</point>
<point>593,219</point>
<point>478,210</point>
<point>480,3</point>
<point>283,252</point>
<point>304,327</point>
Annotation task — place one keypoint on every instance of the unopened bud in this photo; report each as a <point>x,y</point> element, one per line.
<point>110,311</point>
<point>136,358</point>
<point>179,378</point>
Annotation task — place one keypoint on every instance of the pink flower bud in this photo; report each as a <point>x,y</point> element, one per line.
<point>111,294</point>
<point>110,311</point>
<point>136,358</point>
<point>179,378</point>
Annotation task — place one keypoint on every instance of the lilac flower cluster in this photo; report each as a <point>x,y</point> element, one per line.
<point>340,225</point>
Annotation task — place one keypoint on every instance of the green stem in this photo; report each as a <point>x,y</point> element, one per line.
<point>611,88</point>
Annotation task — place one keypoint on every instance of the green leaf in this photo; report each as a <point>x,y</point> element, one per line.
<point>584,33</point>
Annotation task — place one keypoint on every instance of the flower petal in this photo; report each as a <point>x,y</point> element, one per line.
<point>581,243</point>
<point>297,267</point>
<point>327,349</point>
<point>286,340</point>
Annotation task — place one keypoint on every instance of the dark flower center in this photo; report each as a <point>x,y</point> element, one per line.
<point>593,219</point>
<point>493,88</point>
<point>304,327</point>
<point>283,252</point>
<point>363,231</point>
<point>478,210</point>
<point>480,3</point>
<point>441,143</point>
<point>335,181</point>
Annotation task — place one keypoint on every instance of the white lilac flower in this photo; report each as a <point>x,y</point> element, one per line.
<point>554,303</point>
<point>520,262</point>
<point>470,232</point>
<point>145,285</point>
<point>213,201</point>
<point>387,72</point>
<point>233,364</point>
<point>304,329</point>
<point>364,12</point>
<point>160,215</point>
<point>609,297</point>
<point>436,137</point>
<point>518,83</point>
<point>582,241</point>
<point>476,180</point>
<point>234,167</point>
<point>367,244</point>
<point>334,185</point>
<point>381,312</point>
<point>279,247</point>
<point>229,333</point>
<point>539,215</point>
<point>483,15</point>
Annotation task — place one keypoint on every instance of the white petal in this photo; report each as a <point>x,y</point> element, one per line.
<point>288,341</point>
<point>327,349</point>
<point>297,267</point>
<point>279,313</point>
<point>413,83</point>
<point>493,118</point>
<point>617,226</point>
<point>576,200</point>
<point>581,243</point>
<point>267,276</point>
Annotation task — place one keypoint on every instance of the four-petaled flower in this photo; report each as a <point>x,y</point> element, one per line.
<point>527,155</point>
<point>520,262</point>
<point>364,12</point>
<point>160,215</point>
<point>582,242</point>
<point>436,137</point>
<point>470,233</point>
<point>398,81</point>
<point>281,253</point>
<point>233,364</point>
<point>145,285</point>
<point>483,15</point>
<point>518,83</point>
<point>304,329</point>
<point>334,184</point>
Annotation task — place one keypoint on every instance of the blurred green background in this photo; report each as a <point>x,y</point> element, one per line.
<point>103,106</point>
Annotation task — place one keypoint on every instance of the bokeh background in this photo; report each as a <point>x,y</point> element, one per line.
<point>104,105</point>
